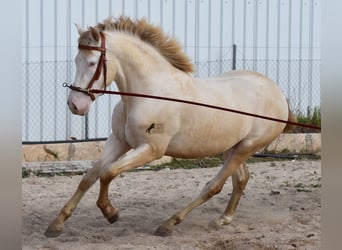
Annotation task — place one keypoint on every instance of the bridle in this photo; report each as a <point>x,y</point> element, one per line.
<point>101,64</point>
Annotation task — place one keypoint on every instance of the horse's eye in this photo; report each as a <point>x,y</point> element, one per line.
<point>91,64</point>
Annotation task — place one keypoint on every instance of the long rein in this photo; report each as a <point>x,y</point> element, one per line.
<point>100,91</point>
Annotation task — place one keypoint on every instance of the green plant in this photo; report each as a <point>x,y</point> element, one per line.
<point>285,151</point>
<point>312,117</point>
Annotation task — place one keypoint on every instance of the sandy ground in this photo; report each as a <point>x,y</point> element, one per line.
<point>280,209</point>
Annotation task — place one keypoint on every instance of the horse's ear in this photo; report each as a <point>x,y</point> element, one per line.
<point>94,34</point>
<point>80,30</point>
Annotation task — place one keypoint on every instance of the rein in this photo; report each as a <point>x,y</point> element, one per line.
<point>102,64</point>
<point>99,91</point>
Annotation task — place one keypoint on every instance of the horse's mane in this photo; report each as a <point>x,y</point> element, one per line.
<point>167,46</point>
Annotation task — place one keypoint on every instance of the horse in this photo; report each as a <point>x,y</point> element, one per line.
<point>140,58</point>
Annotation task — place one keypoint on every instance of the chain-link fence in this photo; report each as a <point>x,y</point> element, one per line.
<point>46,116</point>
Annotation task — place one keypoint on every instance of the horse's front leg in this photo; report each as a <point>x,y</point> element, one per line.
<point>132,159</point>
<point>56,226</point>
<point>112,150</point>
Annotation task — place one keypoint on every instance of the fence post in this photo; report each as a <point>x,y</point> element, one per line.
<point>86,126</point>
<point>234,57</point>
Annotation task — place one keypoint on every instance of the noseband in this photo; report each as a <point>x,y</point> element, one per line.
<point>101,64</point>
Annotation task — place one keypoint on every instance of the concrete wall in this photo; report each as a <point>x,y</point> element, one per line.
<point>295,143</point>
<point>75,151</point>
<point>87,151</point>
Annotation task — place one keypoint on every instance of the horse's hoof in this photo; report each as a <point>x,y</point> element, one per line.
<point>163,231</point>
<point>223,220</point>
<point>215,224</point>
<point>54,230</point>
<point>113,218</point>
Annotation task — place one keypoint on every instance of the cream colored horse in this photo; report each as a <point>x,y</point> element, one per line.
<point>141,59</point>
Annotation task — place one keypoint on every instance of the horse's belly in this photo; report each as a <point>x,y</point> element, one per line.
<point>197,145</point>
<point>197,151</point>
<point>192,153</point>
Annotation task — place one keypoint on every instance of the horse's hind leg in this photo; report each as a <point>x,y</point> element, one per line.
<point>240,179</point>
<point>113,149</point>
<point>213,187</point>
<point>233,165</point>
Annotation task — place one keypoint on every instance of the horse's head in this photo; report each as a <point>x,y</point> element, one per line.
<point>91,70</point>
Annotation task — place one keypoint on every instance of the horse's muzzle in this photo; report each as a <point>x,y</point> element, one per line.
<point>79,104</point>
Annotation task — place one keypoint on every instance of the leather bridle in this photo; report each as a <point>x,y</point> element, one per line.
<point>101,64</point>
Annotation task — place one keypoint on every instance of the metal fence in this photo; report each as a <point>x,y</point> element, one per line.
<point>277,38</point>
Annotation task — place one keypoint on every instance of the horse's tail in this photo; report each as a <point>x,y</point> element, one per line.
<point>291,118</point>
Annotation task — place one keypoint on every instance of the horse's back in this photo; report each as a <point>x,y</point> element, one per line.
<point>250,80</point>
<point>247,90</point>
<point>240,73</point>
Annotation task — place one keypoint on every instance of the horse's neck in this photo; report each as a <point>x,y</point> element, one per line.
<point>138,65</point>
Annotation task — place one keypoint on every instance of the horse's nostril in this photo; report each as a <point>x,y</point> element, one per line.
<point>74,107</point>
